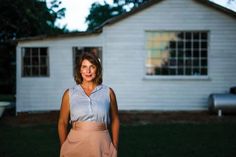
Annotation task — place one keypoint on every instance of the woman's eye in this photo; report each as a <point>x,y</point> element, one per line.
<point>93,66</point>
<point>83,67</point>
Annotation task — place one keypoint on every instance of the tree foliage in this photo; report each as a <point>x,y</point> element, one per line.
<point>100,13</point>
<point>23,18</point>
<point>129,3</point>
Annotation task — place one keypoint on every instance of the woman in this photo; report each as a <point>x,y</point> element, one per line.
<point>92,109</point>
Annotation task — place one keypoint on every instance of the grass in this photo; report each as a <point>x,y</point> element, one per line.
<point>7,97</point>
<point>179,140</point>
<point>151,140</point>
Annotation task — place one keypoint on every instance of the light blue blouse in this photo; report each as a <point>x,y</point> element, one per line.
<point>90,108</point>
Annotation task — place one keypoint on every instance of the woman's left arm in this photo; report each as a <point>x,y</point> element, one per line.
<point>115,122</point>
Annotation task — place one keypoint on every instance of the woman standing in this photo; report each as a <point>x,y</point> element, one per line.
<point>92,109</point>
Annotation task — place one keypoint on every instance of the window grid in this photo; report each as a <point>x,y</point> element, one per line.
<point>187,53</point>
<point>35,62</point>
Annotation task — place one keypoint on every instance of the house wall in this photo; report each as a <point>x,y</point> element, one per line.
<point>125,57</point>
<point>44,93</point>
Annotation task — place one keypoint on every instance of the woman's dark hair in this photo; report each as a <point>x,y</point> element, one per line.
<point>91,57</point>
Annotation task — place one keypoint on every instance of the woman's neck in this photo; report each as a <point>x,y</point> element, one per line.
<point>88,85</point>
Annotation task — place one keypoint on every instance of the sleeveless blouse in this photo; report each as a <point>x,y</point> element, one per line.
<point>93,108</point>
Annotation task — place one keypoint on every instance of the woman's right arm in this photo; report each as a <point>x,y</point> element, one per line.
<point>64,117</point>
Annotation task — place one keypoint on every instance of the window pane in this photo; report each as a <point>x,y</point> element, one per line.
<point>43,71</point>
<point>203,71</point>
<point>180,71</point>
<point>27,71</point>
<point>172,53</point>
<point>196,71</point>
<point>188,71</point>
<point>43,61</point>
<point>195,54</point>
<point>188,62</point>
<point>157,71</point>
<point>27,61</point>
<point>204,45</point>
<point>203,62</point>
<point>27,52</point>
<point>180,45</point>
<point>180,54</point>
<point>180,62</point>
<point>203,54</point>
<point>188,36</point>
<point>204,35</point>
<point>43,52</point>
<point>173,62</point>
<point>172,71</point>
<point>35,52</point>
<point>180,35</point>
<point>35,71</point>
<point>188,53</point>
<point>195,62</point>
<point>35,61</point>
<point>164,71</point>
<point>196,45</point>
<point>172,45</point>
<point>196,36</point>
<point>188,45</point>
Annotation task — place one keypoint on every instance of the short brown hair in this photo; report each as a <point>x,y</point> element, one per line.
<point>91,57</point>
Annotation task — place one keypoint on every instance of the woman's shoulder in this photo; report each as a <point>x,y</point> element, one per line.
<point>104,86</point>
<point>73,89</point>
<point>109,88</point>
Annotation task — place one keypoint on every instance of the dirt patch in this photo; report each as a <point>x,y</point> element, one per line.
<point>126,117</point>
<point>174,117</point>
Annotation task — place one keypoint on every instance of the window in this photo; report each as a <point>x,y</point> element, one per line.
<point>77,51</point>
<point>35,62</point>
<point>177,53</point>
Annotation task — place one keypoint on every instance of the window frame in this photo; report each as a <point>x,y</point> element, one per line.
<point>47,64</point>
<point>176,76</point>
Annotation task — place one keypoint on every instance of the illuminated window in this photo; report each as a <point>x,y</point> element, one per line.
<point>177,53</point>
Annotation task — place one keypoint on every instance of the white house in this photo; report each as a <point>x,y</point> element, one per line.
<point>164,55</point>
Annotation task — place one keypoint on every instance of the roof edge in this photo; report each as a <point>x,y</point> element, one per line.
<point>218,7</point>
<point>126,14</point>
<point>70,34</point>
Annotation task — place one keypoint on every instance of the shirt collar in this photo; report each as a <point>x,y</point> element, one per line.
<point>97,88</point>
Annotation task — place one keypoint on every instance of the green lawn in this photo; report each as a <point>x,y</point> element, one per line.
<point>8,97</point>
<point>152,140</point>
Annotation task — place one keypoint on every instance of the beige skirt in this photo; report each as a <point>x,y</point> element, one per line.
<point>88,139</point>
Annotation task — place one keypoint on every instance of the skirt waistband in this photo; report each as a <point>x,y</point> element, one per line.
<point>90,126</point>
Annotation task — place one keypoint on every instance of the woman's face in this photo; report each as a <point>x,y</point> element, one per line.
<point>88,71</point>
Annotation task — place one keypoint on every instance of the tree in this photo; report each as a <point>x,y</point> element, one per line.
<point>100,13</point>
<point>130,4</point>
<point>23,18</point>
